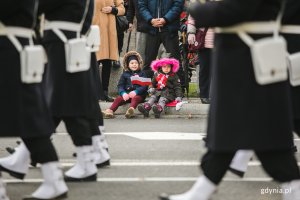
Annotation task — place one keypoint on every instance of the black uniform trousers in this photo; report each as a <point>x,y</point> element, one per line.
<point>204,56</point>
<point>41,149</point>
<point>171,44</point>
<point>81,129</point>
<point>281,165</point>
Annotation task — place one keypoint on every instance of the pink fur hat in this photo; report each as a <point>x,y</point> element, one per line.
<point>156,64</point>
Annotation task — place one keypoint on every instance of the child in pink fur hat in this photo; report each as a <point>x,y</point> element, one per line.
<point>165,86</point>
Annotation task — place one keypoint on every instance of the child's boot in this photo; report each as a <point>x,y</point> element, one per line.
<point>157,109</point>
<point>129,113</point>
<point>108,114</point>
<point>145,109</point>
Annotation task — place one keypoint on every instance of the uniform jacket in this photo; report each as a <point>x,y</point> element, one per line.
<point>168,9</point>
<point>23,108</point>
<point>243,114</point>
<point>108,31</point>
<point>68,94</point>
<point>292,17</point>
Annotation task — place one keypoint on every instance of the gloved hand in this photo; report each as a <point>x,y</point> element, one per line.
<point>151,90</point>
<point>132,94</point>
<point>125,97</point>
<point>178,99</point>
<point>191,38</point>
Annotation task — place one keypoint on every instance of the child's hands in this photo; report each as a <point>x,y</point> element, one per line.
<point>151,90</point>
<point>132,94</point>
<point>125,97</point>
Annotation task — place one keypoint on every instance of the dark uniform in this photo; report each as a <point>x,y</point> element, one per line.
<point>292,17</point>
<point>244,114</point>
<point>71,96</point>
<point>23,107</point>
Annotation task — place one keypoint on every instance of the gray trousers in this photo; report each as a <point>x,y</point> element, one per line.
<point>161,101</point>
<point>141,44</point>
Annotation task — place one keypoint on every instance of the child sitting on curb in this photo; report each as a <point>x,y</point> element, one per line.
<point>132,87</point>
<point>165,86</point>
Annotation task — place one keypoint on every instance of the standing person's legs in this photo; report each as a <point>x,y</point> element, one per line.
<point>204,74</point>
<point>171,43</point>
<point>105,76</point>
<point>282,166</point>
<point>152,45</point>
<point>141,39</point>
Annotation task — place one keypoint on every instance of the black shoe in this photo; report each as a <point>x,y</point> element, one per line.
<point>164,197</point>
<point>205,100</point>
<point>104,164</point>
<point>237,172</point>
<point>90,178</point>
<point>143,110</point>
<point>12,173</point>
<point>106,97</point>
<point>116,65</point>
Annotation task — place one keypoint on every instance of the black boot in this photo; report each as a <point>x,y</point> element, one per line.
<point>144,109</point>
<point>106,97</point>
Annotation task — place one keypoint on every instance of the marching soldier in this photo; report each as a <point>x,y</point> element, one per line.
<point>260,111</point>
<point>23,108</point>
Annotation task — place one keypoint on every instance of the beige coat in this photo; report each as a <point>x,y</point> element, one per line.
<point>108,31</point>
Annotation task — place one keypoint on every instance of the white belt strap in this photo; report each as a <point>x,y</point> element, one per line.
<point>290,29</point>
<point>57,26</point>
<point>63,25</point>
<point>13,32</point>
<point>251,27</point>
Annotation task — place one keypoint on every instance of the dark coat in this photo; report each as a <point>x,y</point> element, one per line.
<point>172,89</point>
<point>68,94</point>
<point>292,17</point>
<point>125,84</point>
<point>243,114</point>
<point>23,108</point>
<point>132,11</point>
<point>169,10</point>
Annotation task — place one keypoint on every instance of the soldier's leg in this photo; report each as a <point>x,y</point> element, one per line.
<point>282,166</point>
<point>42,150</point>
<point>214,170</point>
<point>81,133</point>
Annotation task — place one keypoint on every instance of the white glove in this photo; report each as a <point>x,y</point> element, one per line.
<point>191,38</point>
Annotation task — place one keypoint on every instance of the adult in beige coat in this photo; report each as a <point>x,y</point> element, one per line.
<point>105,18</point>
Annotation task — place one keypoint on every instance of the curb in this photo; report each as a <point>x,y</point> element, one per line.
<point>192,109</point>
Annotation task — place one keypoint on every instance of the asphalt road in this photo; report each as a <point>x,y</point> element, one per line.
<point>148,157</point>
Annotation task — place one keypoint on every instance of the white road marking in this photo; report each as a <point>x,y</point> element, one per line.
<point>150,179</point>
<point>146,163</point>
<point>158,135</point>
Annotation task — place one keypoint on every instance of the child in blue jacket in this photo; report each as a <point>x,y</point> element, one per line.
<point>132,86</point>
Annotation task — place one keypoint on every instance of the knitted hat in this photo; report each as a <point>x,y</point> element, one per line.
<point>130,58</point>
<point>132,55</point>
<point>156,64</point>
